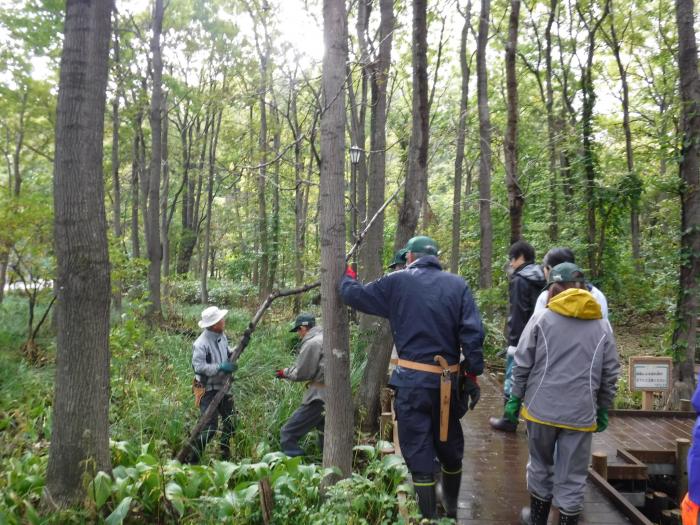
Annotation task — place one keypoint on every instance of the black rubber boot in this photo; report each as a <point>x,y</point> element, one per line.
<point>425,493</point>
<point>450,492</point>
<point>502,424</point>
<point>568,519</point>
<point>537,513</point>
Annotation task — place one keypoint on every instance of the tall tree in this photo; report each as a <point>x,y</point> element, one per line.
<point>516,200</point>
<point>485,226</point>
<point>633,183</point>
<point>337,450</point>
<point>374,377</point>
<point>80,423</point>
<point>417,174</point>
<point>154,247</point>
<point>116,186</point>
<point>592,23</point>
<point>685,333</point>
<point>465,70</point>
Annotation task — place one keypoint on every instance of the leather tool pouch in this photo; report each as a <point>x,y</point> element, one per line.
<point>198,391</point>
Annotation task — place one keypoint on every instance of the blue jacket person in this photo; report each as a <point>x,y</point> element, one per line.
<point>432,316</point>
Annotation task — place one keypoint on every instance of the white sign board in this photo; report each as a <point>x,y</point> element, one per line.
<point>648,373</point>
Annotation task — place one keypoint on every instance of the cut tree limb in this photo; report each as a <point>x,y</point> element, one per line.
<point>184,452</point>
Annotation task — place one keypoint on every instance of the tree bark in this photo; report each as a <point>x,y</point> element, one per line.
<point>337,451</point>
<point>551,135</point>
<point>155,252</point>
<point>275,224</point>
<point>116,186</point>
<point>374,375</point>
<point>685,333</point>
<point>516,200</point>
<point>417,173</point>
<point>80,424</point>
<point>210,199</point>
<point>485,226</point>
<point>135,168</point>
<point>465,70</point>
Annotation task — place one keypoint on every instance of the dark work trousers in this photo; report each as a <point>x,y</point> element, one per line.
<point>226,411</point>
<point>418,416</point>
<point>304,419</point>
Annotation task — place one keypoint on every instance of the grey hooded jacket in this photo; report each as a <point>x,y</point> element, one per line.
<point>215,346</point>
<point>309,365</point>
<point>566,364</point>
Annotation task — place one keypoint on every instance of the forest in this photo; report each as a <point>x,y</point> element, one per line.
<point>162,156</point>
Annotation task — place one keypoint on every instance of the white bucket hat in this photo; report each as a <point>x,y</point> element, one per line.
<point>211,316</point>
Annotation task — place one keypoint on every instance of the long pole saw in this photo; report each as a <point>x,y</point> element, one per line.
<point>245,338</point>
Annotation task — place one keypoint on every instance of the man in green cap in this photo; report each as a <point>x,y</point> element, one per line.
<point>434,322</point>
<point>308,367</point>
<point>399,260</point>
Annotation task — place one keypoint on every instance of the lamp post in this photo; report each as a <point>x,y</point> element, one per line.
<point>355,152</point>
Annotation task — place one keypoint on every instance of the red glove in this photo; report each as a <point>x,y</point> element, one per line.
<point>350,272</point>
<point>280,374</point>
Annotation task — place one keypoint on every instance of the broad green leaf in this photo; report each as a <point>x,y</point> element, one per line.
<point>173,492</point>
<point>101,488</point>
<point>118,514</point>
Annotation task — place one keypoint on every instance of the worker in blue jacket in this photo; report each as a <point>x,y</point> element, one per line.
<point>434,321</point>
<point>691,502</point>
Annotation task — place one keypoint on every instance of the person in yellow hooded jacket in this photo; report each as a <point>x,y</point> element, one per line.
<point>564,381</point>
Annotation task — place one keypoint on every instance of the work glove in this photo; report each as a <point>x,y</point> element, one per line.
<point>350,272</point>
<point>279,374</point>
<point>227,367</point>
<point>472,389</point>
<point>601,419</point>
<point>512,408</point>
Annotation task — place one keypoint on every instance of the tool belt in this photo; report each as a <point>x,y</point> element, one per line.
<point>198,390</point>
<point>445,372</point>
<point>315,384</point>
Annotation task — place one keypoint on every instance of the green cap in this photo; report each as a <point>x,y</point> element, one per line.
<point>303,320</point>
<point>565,272</point>
<point>422,244</point>
<point>399,258</point>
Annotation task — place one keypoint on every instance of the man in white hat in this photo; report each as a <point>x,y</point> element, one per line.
<point>210,361</point>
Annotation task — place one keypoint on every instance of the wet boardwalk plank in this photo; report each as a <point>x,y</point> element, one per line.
<point>493,481</point>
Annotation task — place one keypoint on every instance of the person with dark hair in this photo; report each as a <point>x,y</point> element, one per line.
<point>434,322</point>
<point>309,367</point>
<point>564,381</point>
<point>526,281</point>
<point>561,255</point>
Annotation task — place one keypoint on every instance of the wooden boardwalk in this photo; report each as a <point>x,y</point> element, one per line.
<point>493,481</point>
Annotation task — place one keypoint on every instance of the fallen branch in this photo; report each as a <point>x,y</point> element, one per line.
<point>245,338</point>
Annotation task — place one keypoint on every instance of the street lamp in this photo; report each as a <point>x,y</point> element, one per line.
<point>355,154</point>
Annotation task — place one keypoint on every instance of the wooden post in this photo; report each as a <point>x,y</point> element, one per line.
<point>600,464</point>
<point>266,502</point>
<point>647,400</point>
<point>685,405</point>
<point>682,446</point>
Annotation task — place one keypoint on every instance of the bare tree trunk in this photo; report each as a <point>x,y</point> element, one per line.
<point>135,244</point>
<point>116,186</point>
<point>551,135</point>
<point>485,226</point>
<point>80,423</point>
<point>374,376</point>
<point>465,69</point>
<point>275,225</point>
<point>210,199</point>
<point>685,333</point>
<point>633,183</point>
<point>155,252</point>
<point>164,223</point>
<point>337,450</point>
<point>417,173</point>
<point>516,200</point>
<point>19,143</point>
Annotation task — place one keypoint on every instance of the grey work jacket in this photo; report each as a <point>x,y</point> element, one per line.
<point>216,346</point>
<point>309,365</point>
<point>565,369</point>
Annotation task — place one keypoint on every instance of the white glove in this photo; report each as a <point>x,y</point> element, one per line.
<point>511,350</point>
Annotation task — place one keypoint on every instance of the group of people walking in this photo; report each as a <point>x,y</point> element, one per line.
<point>561,372</point>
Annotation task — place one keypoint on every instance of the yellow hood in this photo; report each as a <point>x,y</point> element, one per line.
<point>577,303</point>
